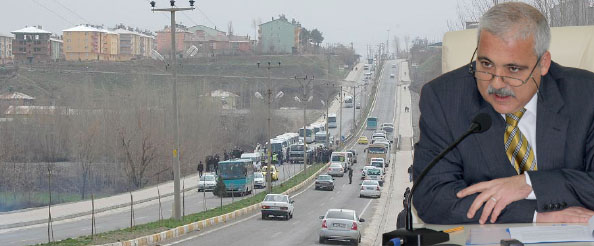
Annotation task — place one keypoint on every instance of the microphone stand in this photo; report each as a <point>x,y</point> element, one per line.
<point>423,236</point>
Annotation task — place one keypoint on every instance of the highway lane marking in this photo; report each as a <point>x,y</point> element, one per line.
<point>365,208</point>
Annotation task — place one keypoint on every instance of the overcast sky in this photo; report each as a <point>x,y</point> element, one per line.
<point>341,21</point>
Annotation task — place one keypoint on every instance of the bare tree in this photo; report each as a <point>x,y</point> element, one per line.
<point>86,150</point>
<point>139,152</point>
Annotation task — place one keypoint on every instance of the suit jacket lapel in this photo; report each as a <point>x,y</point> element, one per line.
<point>491,142</point>
<point>551,126</point>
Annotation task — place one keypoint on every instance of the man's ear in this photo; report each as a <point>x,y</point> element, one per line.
<point>545,63</point>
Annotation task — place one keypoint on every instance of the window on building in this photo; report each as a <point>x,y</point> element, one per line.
<point>36,37</point>
<point>37,49</point>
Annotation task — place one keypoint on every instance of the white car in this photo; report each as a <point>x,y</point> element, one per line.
<point>376,174</point>
<point>370,188</point>
<point>207,182</point>
<point>259,180</point>
<point>364,171</point>
<point>341,224</point>
<point>277,205</point>
<point>336,169</point>
<point>378,162</point>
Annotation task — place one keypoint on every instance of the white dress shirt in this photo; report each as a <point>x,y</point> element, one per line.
<point>527,126</point>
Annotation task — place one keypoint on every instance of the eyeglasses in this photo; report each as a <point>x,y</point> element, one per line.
<point>487,76</point>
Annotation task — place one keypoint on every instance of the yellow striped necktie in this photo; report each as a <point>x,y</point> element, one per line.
<point>518,150</point>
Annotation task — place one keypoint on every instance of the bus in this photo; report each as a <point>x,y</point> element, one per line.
<point>237,175</point>
<point>332,121</point>
<point>348,102</point>
<point>309,136</point>
<point>371,123</point>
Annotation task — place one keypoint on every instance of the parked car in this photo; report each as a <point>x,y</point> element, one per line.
<point>341,224</point>
<point>370,188</point>
<point>336,169</point>
<point>358,106</point>
<point>273,172</point>
<point>277,205</point>
<point>207,182</point>
<point>325,182</point>
<point>259,180</point>
<point>363,140</point>
<point>391,75</point>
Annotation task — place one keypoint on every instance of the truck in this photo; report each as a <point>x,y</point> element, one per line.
<point>376,151</point>
<point>296,153</point>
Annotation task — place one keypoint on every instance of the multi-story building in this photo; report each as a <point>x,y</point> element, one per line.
<point>279,36</point>
<point>56,46</point>
<point>164,40</point>
<point>134,45</point>
<point>147,44</point>
<point>207,40</point>
<point>31,45</point>
<point>5,48</point>
<point>87,43</point>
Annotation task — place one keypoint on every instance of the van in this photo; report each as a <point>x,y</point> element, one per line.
<point>340,157</point>
<point>255,157</point>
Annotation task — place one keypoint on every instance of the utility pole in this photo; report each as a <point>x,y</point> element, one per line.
<point>340,122</point>
<point>176,163</point>
<point>354,109</point>
<point>269,147</point>
<point>304,82</point>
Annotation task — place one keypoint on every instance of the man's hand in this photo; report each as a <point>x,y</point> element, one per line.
<point>496,195</point>
<point>568,215</point>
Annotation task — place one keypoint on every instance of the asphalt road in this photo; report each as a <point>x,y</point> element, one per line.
<point>120,218</point>
<point>309,204</point>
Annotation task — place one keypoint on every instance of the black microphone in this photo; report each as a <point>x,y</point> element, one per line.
<point>423,236</point>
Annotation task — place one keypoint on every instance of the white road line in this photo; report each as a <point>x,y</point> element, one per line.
<point>365,208</point>
<point>276,234</point>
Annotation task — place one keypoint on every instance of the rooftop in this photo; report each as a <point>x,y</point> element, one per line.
<point>16,95</point>
<point>31,29</point>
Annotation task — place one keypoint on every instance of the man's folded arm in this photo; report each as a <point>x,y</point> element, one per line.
<point>436,202</point>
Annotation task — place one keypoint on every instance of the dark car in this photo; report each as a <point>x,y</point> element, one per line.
<point>324,182</point>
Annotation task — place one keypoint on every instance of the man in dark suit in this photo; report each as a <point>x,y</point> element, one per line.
<point>536,162</point>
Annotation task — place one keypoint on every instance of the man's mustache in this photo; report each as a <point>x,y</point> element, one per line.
<point>502,92</point>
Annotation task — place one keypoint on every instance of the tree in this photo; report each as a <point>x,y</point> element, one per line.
<point>220,189</point>
<point>317,37</point>
<point>86,150</point>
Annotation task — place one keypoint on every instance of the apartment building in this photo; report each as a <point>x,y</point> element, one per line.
<point>31,45</point>
<point>88,43</point>
<point>5,48</point>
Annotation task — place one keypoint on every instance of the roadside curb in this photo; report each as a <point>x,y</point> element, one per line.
<point>202,224</point>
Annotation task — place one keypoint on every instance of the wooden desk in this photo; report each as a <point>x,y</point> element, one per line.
<point>460,237</point>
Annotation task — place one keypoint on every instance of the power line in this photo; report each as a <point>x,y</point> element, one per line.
<point>80,17</point>
<point>206,17</point>
<point>186,15</point>
<point>46,8</point>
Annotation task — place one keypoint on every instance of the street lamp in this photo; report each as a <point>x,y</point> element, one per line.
<point>176,163</point>
<point>269,148</point>
<point>304,101</point>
